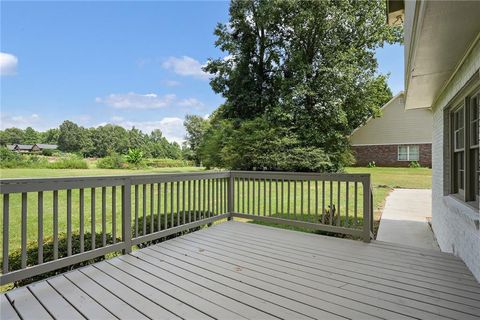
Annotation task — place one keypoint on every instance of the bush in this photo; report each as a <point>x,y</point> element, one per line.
<point>12,159</point>
<point>414,164</point>
<point>47,152</point>
<point>371,164</point>
<point>134,156</point>
<point>73,162</point>
<point>112,161</point>
<point>15,257</point>
<point>162,225</point>
<point>168,163</point>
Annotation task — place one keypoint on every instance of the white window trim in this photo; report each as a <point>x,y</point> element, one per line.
<point>408,153</point>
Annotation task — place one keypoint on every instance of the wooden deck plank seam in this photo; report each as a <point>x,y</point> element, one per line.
<point>173,298</point>
<point>317,297</point>
<point>295,273</point>
<point>87,294</point>
<point>251,239</point>
<point>145,297</point>
<point>220,305</point>
<point>326,303</point>
<point>415,258</point>
<point>262,254</point>
<point>459,264</point>
<point>67,300</point>
<point>156,275</point>
<point>340,295</point>
<point>295,234</point>
<point>115,295</point>
<point>143,253</point>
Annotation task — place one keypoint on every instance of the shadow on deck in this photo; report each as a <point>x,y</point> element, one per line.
<point>239,270</point>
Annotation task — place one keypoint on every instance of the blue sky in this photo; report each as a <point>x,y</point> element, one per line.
<point>133,64</point>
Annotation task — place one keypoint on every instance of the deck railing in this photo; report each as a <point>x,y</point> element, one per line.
<point>91,217</point>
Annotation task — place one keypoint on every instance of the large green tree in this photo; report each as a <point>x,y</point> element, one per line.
<point>196,128</point>
<point>306,66</point>
<point>73,138</point>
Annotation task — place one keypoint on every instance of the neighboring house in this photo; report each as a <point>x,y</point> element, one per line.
<point>442,72</point>
<point>38,147</point>
<point>42,146</point>
<point>24,147</point>
<point>395,139</point>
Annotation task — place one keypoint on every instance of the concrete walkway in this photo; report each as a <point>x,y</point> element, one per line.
<point>404,219</point>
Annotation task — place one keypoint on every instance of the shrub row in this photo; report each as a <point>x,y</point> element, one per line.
<point>10,159</point>
<point>178,220</point>
<point>15,257</point>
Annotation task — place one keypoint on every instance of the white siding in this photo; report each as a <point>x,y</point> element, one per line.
<point>456,225</point>
<point>395,126</point>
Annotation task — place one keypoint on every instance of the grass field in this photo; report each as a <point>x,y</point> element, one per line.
<point>383,180</point>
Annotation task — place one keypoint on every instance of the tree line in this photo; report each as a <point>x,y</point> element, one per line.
<point>297,77</point>
<point>96,142</point>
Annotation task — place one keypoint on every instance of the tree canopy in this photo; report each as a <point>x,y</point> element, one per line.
<point>96,142</point>
<point>307,68</point>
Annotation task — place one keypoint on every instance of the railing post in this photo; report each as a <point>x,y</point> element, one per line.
<point>367,205</point>
<point>231,190</point>
<point>127,216</point>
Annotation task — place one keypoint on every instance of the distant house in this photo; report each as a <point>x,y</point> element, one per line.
<point>396,138</point>
<point>37,147</point>
<point>42,146</point>
<point>24,148</point>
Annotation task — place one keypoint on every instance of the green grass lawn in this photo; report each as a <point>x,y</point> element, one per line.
<point>45,173</point>
<point>383,180</point>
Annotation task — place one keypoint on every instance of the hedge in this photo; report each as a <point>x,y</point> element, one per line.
<point>15,257</point>
<point>162,224</point>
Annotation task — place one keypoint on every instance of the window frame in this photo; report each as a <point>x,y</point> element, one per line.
<point>408,152</point>
<point>464,156</point>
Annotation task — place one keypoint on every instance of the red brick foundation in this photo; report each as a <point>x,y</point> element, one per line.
<point>387,155</point>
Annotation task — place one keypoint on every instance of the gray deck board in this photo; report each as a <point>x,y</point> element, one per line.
<point>432,304</point>
<point>237,270</point>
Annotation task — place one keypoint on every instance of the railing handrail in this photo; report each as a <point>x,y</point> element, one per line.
<point>227,199</point>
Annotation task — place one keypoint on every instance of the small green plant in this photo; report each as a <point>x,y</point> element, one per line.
<point>112,161</point>
<point>134,156</point>
<point>414,164</point>
<point>371,164</point>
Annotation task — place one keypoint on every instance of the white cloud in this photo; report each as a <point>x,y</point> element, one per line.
<point>171,83</point>
<point>191,103</point>
<point>171,127</point>
<point>185,66</point>
<point>134,100</point>
<point>8,64</point>
<point>20,121</point>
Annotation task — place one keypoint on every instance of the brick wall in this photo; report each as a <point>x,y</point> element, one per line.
<point>387,155</point>
<point>455,224</point>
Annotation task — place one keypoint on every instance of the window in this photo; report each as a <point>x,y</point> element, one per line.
<point>465,119</point>
<point>408,153</point>
<point>474,146</point>
<point>458,150</point>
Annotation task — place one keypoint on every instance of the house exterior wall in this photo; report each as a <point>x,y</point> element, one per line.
<point>387,155</point>
<point>455,224</point>
<point>395,126</point>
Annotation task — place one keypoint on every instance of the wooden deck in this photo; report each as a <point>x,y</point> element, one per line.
<point>237,270</point>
